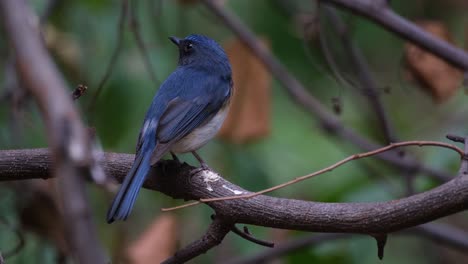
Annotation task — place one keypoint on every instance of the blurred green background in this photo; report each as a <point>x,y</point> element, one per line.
<point>84,36</point>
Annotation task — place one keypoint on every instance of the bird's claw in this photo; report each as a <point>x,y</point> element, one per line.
<point>204,167</point>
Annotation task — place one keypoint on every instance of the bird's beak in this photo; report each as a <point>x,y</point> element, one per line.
<point>175,40</point>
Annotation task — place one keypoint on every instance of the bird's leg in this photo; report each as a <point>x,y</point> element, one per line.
<point>174,157</point>
<point>203,164</point>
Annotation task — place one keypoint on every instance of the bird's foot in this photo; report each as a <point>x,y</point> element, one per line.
<point>203,167</point>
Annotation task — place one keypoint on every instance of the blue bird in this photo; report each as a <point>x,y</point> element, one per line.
<point>185,114</point>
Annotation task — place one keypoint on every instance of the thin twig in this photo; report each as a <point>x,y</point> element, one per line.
<point>135,28</point>
<point>442,234</point>
<point>287,247</point>
<point>455,138</point>
<point>327,169</point>
<point>366,79</point>
<point>114,57</point>
<point>303,98</point>
<point>249,237</point>
<point>328,56</point>
<point>180,206</point>
<point>369,84</point>
<point>380,12</point>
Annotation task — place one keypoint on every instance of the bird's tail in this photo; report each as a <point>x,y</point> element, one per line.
<point>125,198</point>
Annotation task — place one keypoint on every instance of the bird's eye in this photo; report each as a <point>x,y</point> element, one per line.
<point>188,47</point>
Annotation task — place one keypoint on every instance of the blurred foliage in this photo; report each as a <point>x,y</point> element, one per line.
<point>295,146</point>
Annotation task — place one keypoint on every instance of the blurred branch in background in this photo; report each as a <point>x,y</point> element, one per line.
<point>135,28</point>
<point>19,234</point>
<point>439,233</point>
<point>367,82</point>
<point>16,97</point>
<point>444,235</point>
<point>288,247</point>
<point>300,95</point>
<point>114,56</point>
<point>380,12</point>
<point>68,138</point>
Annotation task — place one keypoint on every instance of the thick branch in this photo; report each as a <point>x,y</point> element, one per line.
<point>262,210</point>
<point>379,12</point>
<point>67,136</point>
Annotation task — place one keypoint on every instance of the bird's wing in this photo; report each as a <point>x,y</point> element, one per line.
<point>188,110</point>
<point>180,118</point>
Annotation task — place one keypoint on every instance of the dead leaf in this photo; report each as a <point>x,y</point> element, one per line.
<point>157,243</point>
<point>249,115</point>
<point>435,75</point>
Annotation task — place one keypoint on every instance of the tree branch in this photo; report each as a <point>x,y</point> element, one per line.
<point>67,136</point>
<point>114,56</point>
<point>379,12</point>
<point>438,233</point>
<point>444,235</point>
<point>300,95</point>
<point>173,180</point>
<point>135,28</point>
<point>366,79</point>
<point>247,236</point>
<point>288,247</point>
<point>213,237</point>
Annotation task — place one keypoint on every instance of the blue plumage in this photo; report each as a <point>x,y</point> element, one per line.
<point>186,112</point>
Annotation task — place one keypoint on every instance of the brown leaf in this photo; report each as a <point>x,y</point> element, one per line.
<point>249,115</point>
<point>435,75</point>
<point>157,243</point>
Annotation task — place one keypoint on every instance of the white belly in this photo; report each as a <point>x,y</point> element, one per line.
<point>201,135</point>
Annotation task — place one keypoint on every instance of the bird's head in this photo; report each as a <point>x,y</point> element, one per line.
<point>199,50</point>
